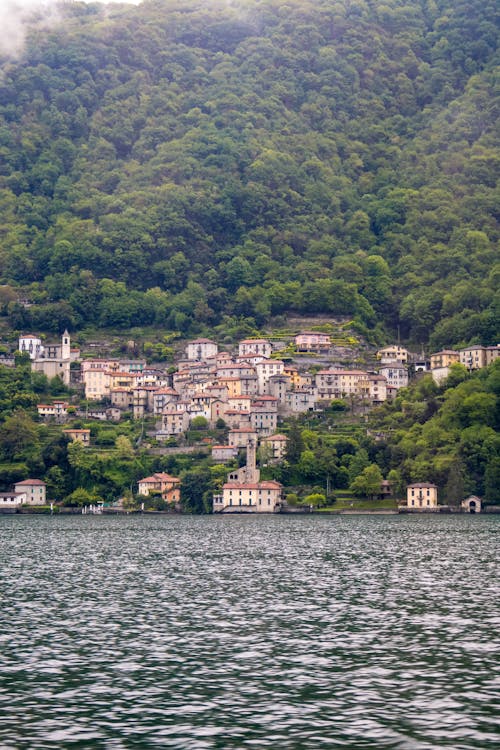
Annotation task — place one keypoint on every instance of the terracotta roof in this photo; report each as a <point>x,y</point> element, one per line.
<point>37,482</point>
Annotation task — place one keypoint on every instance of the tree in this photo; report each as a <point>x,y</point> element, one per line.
<point>295,443</point>
<point>18,436</point>
<point>368,483</point>
<point>81,497</point>
<point>196,488</point>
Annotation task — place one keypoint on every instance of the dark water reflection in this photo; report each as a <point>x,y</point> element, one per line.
<point>194,633</point>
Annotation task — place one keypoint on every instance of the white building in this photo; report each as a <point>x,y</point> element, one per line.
<point>32,345</point>
<point>396,374</point>
<point>252,347</point>
<point>265,370</point>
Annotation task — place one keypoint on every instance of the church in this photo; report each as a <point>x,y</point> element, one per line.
<point>245,493</point>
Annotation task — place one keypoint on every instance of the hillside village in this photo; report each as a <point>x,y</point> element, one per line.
<point>249,391</point>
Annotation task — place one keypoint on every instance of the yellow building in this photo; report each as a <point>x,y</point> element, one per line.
<point>421,496</point>
<point>444,358</point>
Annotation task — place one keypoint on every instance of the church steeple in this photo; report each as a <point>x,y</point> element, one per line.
<point>65,345</point>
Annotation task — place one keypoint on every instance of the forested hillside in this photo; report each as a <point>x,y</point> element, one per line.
<point>185,163</point>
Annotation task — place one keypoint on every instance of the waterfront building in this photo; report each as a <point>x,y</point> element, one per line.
<point>472,504</point>
<point>167,486</point>
<point>245,493</point>
<point>34,491</point>
<point>422,496</point>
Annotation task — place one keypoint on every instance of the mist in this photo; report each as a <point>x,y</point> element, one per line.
<point>17,15</point>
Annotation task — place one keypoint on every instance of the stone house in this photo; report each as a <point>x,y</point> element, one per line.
<point>242,436</point>
<point>224,453</point>
<point>201,349</point>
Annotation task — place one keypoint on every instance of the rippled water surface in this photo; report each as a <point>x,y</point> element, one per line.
<point>245,632</point>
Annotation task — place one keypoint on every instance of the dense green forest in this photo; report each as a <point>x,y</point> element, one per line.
<point>189,164</point>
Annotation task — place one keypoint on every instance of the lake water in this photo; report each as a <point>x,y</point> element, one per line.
<point>245,632</point>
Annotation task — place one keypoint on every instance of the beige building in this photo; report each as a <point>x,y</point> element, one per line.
<point>421,496</point>
<point>393,353</point>
<point>265,370</point>
<point>55,360</point>
<point>174,422</point>
<point>492,353</point>
<point>251,497</point>
<point>163,484</point>
<point>224,453</point>
<point>338,383</point>
<point>372,387</point>
<point>264,414</point>
<point>34,490</point>
<point>245,493</point>
<point>476,357</point>
<point>242,436</point>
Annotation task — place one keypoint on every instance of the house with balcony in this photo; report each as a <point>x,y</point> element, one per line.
<point>421,496</point>
<point>311,341</point>
<point>395,373</point>
<point>393,353</point>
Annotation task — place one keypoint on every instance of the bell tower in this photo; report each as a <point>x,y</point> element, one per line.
<point>65,345</point>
